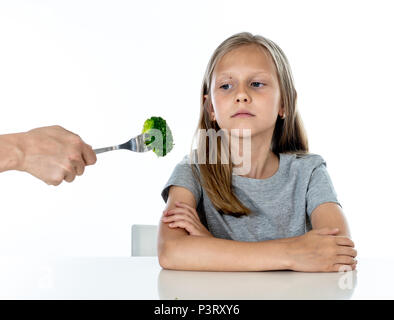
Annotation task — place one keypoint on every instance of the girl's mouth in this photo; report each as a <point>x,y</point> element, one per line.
<point>243,115</point>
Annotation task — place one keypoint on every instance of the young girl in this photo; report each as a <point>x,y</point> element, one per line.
<point>283,214</point>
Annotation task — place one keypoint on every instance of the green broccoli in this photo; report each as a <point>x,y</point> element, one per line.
<point>158,123</point>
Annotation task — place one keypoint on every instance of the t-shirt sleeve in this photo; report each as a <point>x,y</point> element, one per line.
<point>320,189</point>
<point>182,176</point>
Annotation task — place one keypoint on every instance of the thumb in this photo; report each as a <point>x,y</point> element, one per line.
<point>327,231</point>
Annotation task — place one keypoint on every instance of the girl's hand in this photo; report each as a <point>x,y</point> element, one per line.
<point>320,250</point>
<point>186,217</point>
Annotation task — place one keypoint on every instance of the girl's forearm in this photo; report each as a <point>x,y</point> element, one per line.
<point>214,254</point>
<point>10,151</point>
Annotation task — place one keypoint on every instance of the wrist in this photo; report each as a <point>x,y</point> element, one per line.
<point>11,151</point>
<point>287,249</point>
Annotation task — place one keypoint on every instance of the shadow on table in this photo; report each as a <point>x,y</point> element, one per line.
<point>190,285</point>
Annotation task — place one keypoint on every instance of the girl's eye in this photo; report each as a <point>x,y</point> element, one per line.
<point>226,84</point>
<point>258,83</point>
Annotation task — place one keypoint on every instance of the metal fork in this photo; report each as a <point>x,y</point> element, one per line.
<point>136,144</point>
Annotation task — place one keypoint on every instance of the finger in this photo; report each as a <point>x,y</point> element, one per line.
<point>55,181</point>
<point>327,231</point>
<point>181,211</point>
<point>185,213</point>
<point>179,217</point>
<point>183,224</point>
<point>79,166</point>
<point>88,155</point>
<point>189,208</point>
<point>69,174</point>
<point>344,241</point>
<point>174,211</point>
<point>344,260</point>
<point>174,217</point>
<point>349,251</point>
<point>69,177</point>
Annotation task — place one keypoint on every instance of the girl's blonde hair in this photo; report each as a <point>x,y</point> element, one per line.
<point>289,135</point>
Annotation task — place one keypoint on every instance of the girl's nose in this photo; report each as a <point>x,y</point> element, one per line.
<point>244,99</point>
<point>242,95</point>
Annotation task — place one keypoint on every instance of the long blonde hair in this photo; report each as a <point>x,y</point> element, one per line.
<point>289,135</point>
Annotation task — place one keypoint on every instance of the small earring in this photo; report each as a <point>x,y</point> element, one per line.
<point>283,117</point>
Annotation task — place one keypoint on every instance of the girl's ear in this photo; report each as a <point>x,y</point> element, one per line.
<point>281,111</point>
<point>210,109</point>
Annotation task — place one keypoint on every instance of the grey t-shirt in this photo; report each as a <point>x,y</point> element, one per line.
<point>281,205</point>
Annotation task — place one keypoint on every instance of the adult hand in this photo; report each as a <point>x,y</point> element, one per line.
<point>54,154</point>
<point>186,217</point>
<point>321,251</point>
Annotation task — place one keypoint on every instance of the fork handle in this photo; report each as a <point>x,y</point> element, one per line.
<point>101,150</point>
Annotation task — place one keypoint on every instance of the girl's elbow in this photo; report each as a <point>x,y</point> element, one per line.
<point>164,255</point>
<point>163,261</point>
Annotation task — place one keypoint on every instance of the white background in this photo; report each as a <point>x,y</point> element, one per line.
<point>101,68</point>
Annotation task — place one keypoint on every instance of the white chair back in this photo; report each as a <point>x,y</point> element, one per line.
<point>143,240</point>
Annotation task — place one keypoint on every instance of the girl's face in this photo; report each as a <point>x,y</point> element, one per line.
<point>245,80</point>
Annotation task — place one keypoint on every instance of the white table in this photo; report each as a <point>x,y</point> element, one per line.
<point>143,278</point>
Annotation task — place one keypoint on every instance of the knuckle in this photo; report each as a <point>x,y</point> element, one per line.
<point>56,181</point>
<point>75,156</point>
<point>331,261</point>
<point>76,140</point>
<point>332,251</point>
<point>185,223</point>
<point>68,168</point>
<point>331,242</point>
<point>179,223</point>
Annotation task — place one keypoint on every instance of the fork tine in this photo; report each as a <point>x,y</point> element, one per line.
<point>141,145</point>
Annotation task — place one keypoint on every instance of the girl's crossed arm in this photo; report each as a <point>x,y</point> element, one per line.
<point>188,245</point>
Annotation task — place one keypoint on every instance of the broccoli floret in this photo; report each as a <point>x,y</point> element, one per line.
<point>160,124</point>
